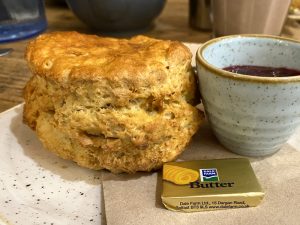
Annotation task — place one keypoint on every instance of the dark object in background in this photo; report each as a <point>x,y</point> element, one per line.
<point>199,15</point>
<point>117,15</point>
<point>4,14</point>
<point>59,3</point>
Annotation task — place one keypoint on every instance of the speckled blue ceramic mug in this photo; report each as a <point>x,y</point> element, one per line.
<point>250,115</point>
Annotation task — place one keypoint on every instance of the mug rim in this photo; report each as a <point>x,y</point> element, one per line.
<point>243,77</point>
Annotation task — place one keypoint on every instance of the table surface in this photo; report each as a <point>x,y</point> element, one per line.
<point>171,24</point>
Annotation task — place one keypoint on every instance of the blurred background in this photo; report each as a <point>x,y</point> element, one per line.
<point>183,20</point>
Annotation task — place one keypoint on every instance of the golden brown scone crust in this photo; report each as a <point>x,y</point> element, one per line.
<point>123,105</point>
<point>295,4</point>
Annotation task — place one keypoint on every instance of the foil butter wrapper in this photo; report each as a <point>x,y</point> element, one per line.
<point>210,185</point>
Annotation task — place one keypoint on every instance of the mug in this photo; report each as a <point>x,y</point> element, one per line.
<point>250,115</point>
<point>249,16</point>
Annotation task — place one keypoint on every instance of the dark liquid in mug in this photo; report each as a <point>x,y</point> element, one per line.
<point>263,71</point>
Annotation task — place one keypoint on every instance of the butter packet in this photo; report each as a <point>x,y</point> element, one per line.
<point>210,185</point>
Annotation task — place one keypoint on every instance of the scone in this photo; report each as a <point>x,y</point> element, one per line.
<point>106,103</point>
<point>295,4</point>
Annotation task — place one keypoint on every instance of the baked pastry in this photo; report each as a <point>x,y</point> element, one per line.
<point>106,103</point>
<point>295,4</point>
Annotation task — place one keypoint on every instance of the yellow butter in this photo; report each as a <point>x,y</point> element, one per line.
<point>179,175</point>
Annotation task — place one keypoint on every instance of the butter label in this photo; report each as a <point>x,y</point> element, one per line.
<point>209,174</point>
<point>209,185</point>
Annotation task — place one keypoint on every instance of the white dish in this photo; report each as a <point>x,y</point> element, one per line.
<point>294,16</point>
<point>36,187</point>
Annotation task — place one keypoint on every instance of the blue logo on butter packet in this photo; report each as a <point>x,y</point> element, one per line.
<point>210,174</point>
